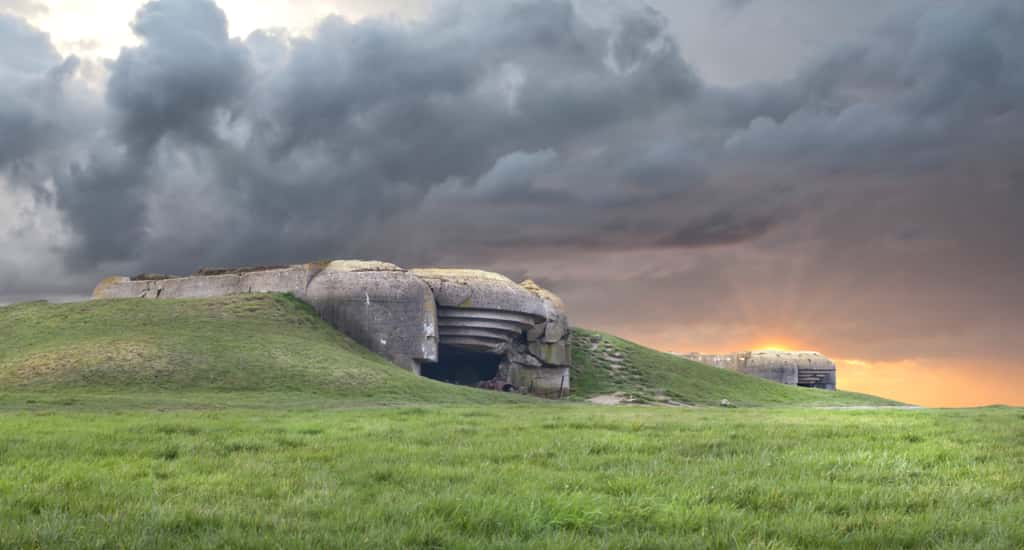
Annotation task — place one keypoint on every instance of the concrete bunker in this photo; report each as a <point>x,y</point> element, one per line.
<point>808,369</point>
<point>523,325</point>
<point>462,326</point>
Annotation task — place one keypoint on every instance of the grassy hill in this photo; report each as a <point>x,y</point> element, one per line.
<point>224,348</point>
<point>605,364</point>
<point>274,348</point>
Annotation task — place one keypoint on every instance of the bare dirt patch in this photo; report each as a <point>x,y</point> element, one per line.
<point>608,399</point>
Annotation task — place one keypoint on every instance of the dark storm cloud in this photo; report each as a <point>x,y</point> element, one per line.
<point>31,97</point>
<point>449,97</point>
<point>938,79</point>
<point>311,145</point>
<point>361,121</point>
<point>104,201</point>
<point>185,72</point>
<point>44,113</point>
<point>513,176</point>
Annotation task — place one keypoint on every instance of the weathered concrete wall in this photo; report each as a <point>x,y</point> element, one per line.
<point>729,361</point>
<point>404,315</point>
<point>475,289</point>
<point>542,381</point>
<point>550,340</point>
<point>385,308</point>
<point>771,365</point>
<point>804,368</point>
<point>292,279</point>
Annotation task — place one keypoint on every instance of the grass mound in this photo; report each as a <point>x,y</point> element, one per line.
<point>251,343</point>
<point>604,364</point>
<point>274,349</point>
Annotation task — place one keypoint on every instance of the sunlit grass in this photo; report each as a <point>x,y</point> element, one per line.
<point>548,476</point>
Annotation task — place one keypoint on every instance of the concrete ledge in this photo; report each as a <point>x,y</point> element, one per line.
<point>473,289</point>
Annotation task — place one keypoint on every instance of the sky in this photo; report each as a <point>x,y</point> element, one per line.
<point>714,175</point>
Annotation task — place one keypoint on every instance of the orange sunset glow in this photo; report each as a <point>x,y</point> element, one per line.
<point>773,346</point>
<point>935,384</point>
<point>930,382</point>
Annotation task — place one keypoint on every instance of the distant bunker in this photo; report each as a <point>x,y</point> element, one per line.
<point>461,326</point>
<point>796,368</point>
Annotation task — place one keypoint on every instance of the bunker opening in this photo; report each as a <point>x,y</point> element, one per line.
<point>462,367</point>
<point>823,379</point>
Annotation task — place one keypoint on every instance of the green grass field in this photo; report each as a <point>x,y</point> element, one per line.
<point>527,475</point>
<point>247,422</point>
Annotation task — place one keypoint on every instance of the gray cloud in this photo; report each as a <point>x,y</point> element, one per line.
<point>722,227</point>
<point>514,175</point>
<point>185,71</point>
<point>936,79</point>
<point>313,144</point>
<point>24,49</point>
<point>24,8</point>
<point>173,87</point>
<point>31,99</point>
<point>736,4</point>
